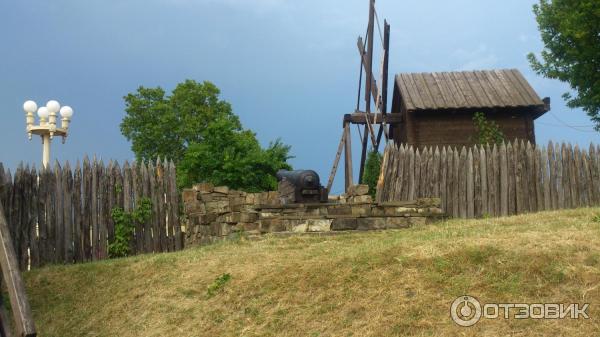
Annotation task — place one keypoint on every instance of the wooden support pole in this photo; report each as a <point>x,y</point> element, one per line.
<point>336,162</point>
<point>384,82</point>
<point>348,156</point>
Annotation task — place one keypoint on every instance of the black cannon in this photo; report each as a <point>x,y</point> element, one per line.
<point>302,186</point>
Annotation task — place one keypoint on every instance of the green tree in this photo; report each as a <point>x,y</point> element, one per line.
<point>200,133</point>
<point>233,157</point>
<point>488,132</point>
<point>164,126</point>
<point>372,171</point>
<point>570,31</point>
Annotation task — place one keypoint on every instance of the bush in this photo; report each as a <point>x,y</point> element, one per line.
<point>125,223</point>
<point>372,171</point>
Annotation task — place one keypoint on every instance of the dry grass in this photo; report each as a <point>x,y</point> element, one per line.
<point>397,283</point>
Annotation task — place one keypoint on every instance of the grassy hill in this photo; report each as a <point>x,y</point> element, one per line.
<point>394,283</point>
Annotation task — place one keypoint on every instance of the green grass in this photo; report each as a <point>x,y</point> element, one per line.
<point>393,283</point>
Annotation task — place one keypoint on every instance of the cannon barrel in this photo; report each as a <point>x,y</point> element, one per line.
<point>300,178</point>
<point>300,186</point>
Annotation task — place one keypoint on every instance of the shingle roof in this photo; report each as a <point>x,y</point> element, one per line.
<point>466,89</point>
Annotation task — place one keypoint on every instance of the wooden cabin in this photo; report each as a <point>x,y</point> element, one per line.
<point>438,108</point>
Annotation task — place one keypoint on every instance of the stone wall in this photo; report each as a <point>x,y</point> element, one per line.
<point>214,213</point>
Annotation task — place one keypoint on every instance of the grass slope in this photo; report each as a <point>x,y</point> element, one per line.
<point>394,283</point>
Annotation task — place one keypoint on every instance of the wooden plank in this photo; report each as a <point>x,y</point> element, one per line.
<point>102,251</point>
<point>476,183</point>
<point>566,163</point>
<point>560,181</point>
<point>411,174</point>
<point>34,242</point>
<point>77,218</point>
<point>491,182</point>
<point>435,177</point>
<point>552,177</point>
<point>443,180</point>
<point>594,176</point>
<point>496,166</point>
<point>95,210</point>
<point>87,181</point>
<point>519,187</point>
<point>67,181</point>
<point>539,179</point>
<point>20,308</point>
<point>579,176</point>
<point>485,208</point>
<point>417,174</point>
<point>153,222</point>
<point>503,181</point>
<point>398,172</point>
<point>544,166</point>
<point>510,160</point>
<point>174,215</point>
<point>160,197</point>
<point>450,182</point>
<point>348,157</point>
<point>462,183</point>
<point>59,207</point>
<point>586,180</point>
<point>456,201</point>
<point>336,161</point>
<point>362,118</point>
<point>470,186</point>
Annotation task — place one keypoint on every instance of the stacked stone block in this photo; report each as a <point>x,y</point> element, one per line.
<point>215,213</point>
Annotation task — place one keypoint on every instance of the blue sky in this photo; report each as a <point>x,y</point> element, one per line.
<point>289,68</point>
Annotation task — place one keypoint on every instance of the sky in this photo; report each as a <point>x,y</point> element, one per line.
<point>289,68</point>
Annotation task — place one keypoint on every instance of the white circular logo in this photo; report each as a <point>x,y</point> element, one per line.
<point>465,311</point>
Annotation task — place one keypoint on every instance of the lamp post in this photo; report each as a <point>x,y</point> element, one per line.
<point>47,127</point>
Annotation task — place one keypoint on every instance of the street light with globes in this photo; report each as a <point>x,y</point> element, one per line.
<point>47,127</point>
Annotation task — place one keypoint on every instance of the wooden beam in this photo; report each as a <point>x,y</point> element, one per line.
<point>360,118</point>
<point>363,55</point>
<point>384,81</point>
<point>336,162</point>
<point>22,316</point>
<point>348,156</point>
<point>369,64</point>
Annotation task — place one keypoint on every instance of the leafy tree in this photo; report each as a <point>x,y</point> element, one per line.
<point>570,31</point>
<point>488,132</point>
<point>200,133</point>
<point>231,156</point>
<point>372,171</point>
<point>164,126</point>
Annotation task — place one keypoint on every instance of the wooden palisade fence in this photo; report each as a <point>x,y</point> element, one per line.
<point>63,214</point>
<point>502,180</point>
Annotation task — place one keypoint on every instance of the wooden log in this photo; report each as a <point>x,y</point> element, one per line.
<point>552,176</point>
<point>510,168</point>
<point>560,180</point>
<point>411,174</point>
<point>594,176</point>
<point>503,162</point>
<point>22,315</point>
<point>544,167</point>
<point>443,180</point>
<point>470,184</point>
<point>417,174</point>
<point>476,183</point>
<point>67,183</point>
<point>576,178</point>
<point>485,208</point>
<point>539,180</point>
<point>450,183</point>
<point>456,185</point>
<point>101,249</point>
<point>154,220</point>
<point>77,215</point>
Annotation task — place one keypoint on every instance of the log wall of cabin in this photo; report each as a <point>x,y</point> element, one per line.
<point>434,128</point>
